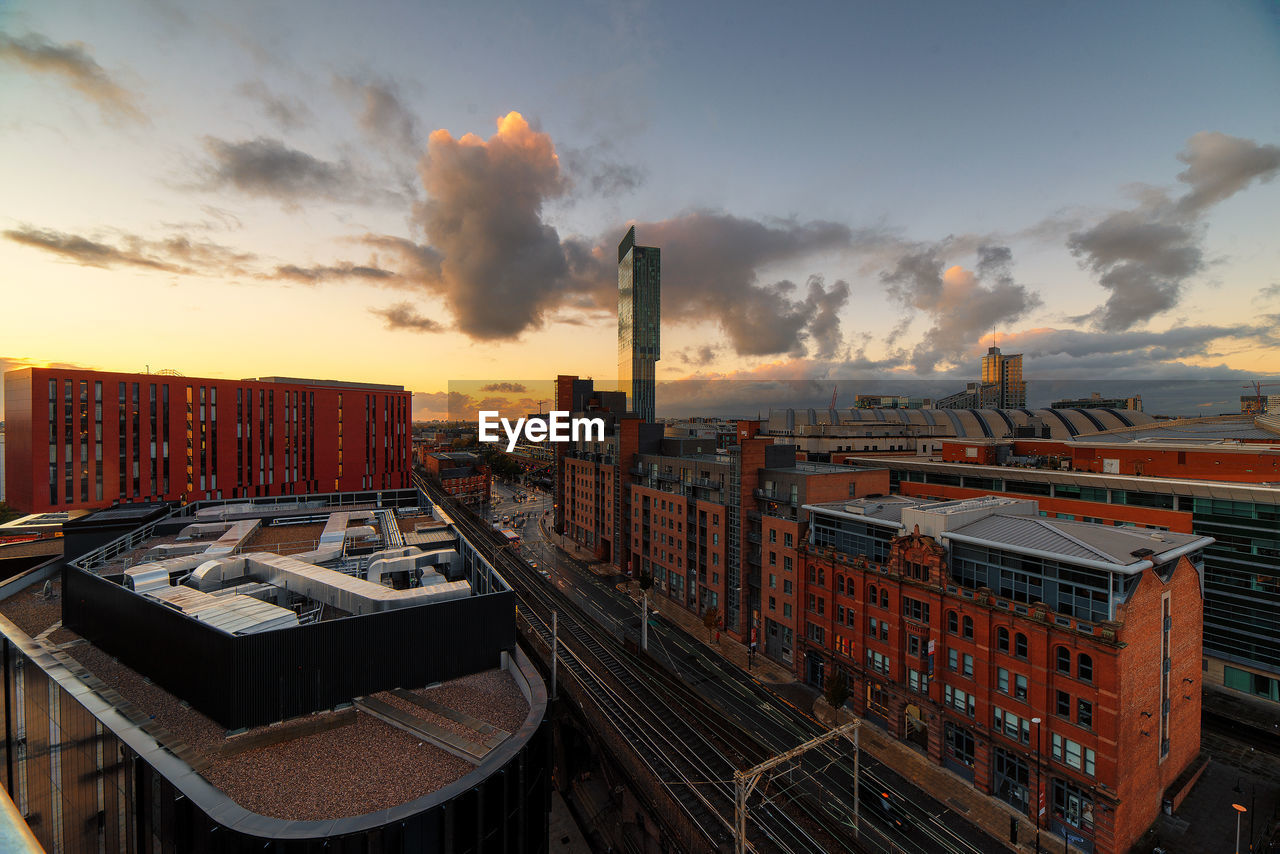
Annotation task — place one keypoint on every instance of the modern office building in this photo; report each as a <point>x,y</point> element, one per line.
<point>1097,401</point>
<point>1027,654</point>
<point>639,322</point>
<point>90,439</point>
<point>1001,385</point>
<point>202,685</point>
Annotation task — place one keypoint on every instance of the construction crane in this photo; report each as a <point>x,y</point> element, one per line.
<point>1257,387</point>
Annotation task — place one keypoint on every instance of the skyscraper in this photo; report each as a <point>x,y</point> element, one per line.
<point>1005,371</point>
<point>639,321</point>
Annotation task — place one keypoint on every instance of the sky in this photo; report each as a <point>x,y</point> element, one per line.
<point>854,196</point>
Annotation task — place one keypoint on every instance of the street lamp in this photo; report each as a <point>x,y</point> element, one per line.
<point>1239,812</point>
<point>1039,795</point>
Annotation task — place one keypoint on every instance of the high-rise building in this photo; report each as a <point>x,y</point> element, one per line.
<point>1005,372</point>
<point>639,321</point>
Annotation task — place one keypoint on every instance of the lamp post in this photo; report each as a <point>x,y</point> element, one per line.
<point>1239,812</point>
<point>1039,794</point>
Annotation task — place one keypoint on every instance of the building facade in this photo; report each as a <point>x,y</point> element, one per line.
<point>639,322</point>
<point>90,439</point>
<point>1175,493</point>
<point>460,474</point>
<point>1028,655</point>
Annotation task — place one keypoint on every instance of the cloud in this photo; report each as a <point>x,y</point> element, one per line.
<point>403,315</point>
<point>962,304</point>
<point>268,167</point>
<point>73,64</point>
<point>340,270</point>
<point>596,170</point>
<point>286,111</point>
<point>696,357</point>
<point>501,268</point>
<point>506,387</point>
<point>383,114</point>
<point>1144,256</point>
<point>86,252</point>
<point>430,405</point>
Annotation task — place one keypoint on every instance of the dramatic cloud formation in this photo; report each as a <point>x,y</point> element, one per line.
<point>383,114</point>
<point>963,305</point>
<point>404,316</point>
<point>1144,256</point>
<point>268,167</point>
<point>501,268</point>
<point>288,112</point>
<point>73,64</point>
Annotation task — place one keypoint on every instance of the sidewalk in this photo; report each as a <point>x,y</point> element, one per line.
<point>987,813</point>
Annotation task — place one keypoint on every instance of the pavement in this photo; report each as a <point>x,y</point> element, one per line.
<point>1206,821</point>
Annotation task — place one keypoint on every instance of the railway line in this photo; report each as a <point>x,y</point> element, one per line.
<point>654,710</point>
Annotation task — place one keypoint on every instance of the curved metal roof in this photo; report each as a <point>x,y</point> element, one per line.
<point>976,423</point>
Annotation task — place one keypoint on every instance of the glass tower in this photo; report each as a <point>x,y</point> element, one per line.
<point>639,320</point>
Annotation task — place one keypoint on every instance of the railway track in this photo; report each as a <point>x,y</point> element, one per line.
<point>690,762</point>
<point>652,708</point>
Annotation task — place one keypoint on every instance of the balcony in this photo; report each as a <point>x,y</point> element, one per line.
<point>754,537</point>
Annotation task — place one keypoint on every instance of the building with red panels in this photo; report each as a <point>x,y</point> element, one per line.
<point>86,439</point>
<point>460,474</point>
<point>1027,654</point>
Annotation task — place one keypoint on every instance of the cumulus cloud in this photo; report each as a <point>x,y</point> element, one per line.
<point>962,304</point>
<point>288,112</point>
<point>73,64</point>
<point>403,315</point>
<point>505,387</point>
<point>1144,256</point>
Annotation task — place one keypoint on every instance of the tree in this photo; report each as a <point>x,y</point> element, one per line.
<point>711,619</point>
<point>837,690</point>
<point>646,581</point>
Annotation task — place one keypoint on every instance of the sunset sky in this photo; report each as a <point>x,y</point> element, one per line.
<point>419,193</point>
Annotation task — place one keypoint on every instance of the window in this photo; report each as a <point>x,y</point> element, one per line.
<point>1064,660</point>
<point>773,581</point>
<point>961,701</point>
<point>772,603</point>
<point>953,659</point>
<point>1012,779</point>
<point>968,628</point>
<point>917,681</point>
<point>773,558</point>
<point>915,609</point>
<point>878,662</point>
<point>884,598</point>
<point>953,623</point>
<point>840,614</point>
<point>1011,726</point>
<point>959,743</point>
<point>968,665</point>
<point>786,586</point>
<point>872,595</point>
<point>1020,646</point>
<point>914,645</point>
<point>1020,686</point>
<point>773,535</point>
<point>1072,805</point>
<point>1084,667</point>
<point>1002,680</point>
<point>839,583</point>
<point>1064,705</point>
<point>786,565</point>
<point>1084,713</point>
<point>786,609</point>
<point>1072,754</point>
<point>787,540</point>
<point>1002,639</point>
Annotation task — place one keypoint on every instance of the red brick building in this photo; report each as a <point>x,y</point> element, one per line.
<point>958,624</point>
<point>460,474</point>
<point>87,439</point>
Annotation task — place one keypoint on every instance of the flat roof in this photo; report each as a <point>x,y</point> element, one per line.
<point>336,383</point>
<point>1225,490</point>
<point>1121,546</point>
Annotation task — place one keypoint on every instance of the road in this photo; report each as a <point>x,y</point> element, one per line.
<point>749,703</point>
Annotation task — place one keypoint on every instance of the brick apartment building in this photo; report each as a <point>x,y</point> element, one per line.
<point>1213,477</point>
<point>959,623</point>
<point>460,474</point>
<point>88,439</point>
